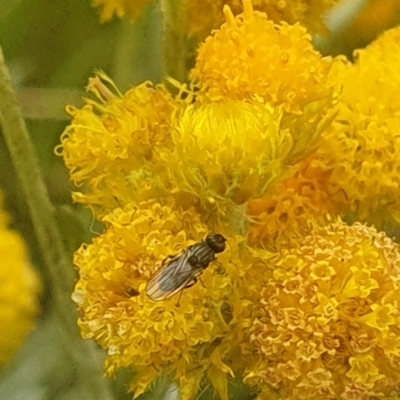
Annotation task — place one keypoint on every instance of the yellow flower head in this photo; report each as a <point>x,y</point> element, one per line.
<point>225,143</point>
<point>251,59</point>
<point>252,56</point>
<point>329,316</point>
<point>203,16</point>
<point>361,150</point>
<point>129,148</point>
<point>19,289</point>
<point>228,150</point>
<point>120,8</point>
<point>110,145</point>
<point>184,341</point>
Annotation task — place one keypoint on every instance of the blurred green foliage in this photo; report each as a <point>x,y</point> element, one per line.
<point>58,43</point>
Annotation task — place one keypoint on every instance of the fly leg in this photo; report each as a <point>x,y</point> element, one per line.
<point>220,270</point>
<point>202,283</point>
<point>194,282</point>
<point>191,283</point>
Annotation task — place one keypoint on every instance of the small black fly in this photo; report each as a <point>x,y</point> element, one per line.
<point>182,270</point>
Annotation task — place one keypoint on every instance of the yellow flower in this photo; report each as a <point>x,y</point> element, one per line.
<point>252,56</point>
<point>120,8</point>
<point>361,150</point>
<point>230,150</point>
<point>186,341</point>
<point>110,145</point>
<point>18,291</point>
<point>324,339</point>
<point>250,59</point>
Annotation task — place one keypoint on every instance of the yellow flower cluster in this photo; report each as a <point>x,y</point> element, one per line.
<point>19,289</point>
<point>329,325</point>
<point>231,153</point>
<point>361,150</point>
<point>183,340</point>
<point>248,56</point>
<point>227,168</point>
<point>132,147</point>
<point>355,170</point>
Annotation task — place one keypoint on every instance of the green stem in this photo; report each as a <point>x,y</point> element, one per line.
<point>56,262</point>
<point>124,52</point>
<point>175,43</point>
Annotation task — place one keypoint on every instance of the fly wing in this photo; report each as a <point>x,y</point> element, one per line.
<point>171,278</point>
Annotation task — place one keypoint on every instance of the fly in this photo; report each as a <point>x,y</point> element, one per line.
<point>182,270</point>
